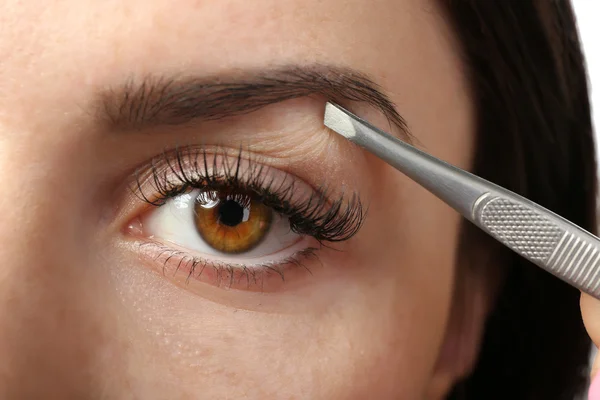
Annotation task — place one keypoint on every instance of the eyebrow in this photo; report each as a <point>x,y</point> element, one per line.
<point>158,101</point>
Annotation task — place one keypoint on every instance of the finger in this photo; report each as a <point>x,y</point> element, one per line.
<point>590,311</point>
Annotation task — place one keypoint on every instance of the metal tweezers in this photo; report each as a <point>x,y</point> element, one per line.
<point>537,234</point>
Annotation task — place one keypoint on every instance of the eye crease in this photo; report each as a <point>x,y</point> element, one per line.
<point>234,222</point>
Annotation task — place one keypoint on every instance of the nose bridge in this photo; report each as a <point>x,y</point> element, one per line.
<point>44,325</point>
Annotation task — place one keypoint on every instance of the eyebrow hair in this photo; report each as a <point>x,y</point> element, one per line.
<point>179,100</point>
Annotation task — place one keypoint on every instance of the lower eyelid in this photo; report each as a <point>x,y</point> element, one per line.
<point>303,243</point>
<point>189,271</point>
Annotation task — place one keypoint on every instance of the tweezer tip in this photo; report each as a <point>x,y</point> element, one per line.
<point>338,121</point>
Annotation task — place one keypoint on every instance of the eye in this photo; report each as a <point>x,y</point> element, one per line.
<point>234,223</point>
<point>223,225</point>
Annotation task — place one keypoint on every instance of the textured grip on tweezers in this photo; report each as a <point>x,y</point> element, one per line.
<point>541,240</point>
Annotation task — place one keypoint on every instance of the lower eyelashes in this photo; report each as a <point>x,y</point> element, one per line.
<point>234,223</point>
<point>262,277</point>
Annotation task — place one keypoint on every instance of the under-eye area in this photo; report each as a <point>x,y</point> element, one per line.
<point>227,219</point>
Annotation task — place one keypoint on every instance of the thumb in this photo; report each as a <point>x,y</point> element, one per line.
<point>590,311</point>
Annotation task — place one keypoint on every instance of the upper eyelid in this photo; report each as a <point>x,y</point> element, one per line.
<point>175,168</point>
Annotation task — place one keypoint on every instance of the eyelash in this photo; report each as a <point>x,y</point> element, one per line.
<point>314,216</point>
<point>230,274</point>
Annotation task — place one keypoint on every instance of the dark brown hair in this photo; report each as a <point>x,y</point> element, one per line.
<point>529,85</point>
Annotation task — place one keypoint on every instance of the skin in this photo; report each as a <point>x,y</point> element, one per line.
<point>590,310</point>
<point>84,315</point>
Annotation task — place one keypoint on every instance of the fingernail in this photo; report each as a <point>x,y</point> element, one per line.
<point>594,392</point>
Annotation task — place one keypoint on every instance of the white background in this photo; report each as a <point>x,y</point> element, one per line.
<point>587,12</point>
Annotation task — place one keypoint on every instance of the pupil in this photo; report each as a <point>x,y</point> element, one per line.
<point>231,213</point>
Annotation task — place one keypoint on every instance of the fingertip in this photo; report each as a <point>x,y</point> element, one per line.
<point>590,311</point>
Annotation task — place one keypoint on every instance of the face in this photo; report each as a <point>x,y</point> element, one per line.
<point>178,223</point>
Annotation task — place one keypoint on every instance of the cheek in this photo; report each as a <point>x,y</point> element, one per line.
<point>376,336</point>
<point>413,237</point>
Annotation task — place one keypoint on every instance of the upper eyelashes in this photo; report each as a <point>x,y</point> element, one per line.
<point>311,213</point>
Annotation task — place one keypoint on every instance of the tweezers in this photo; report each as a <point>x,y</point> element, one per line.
<point>535,233</point>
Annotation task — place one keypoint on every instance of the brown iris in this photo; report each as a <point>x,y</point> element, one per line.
<point>231,223</point>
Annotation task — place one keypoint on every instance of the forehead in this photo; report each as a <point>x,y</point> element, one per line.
<point>262,26</point>
<point>94,42</point>
<point>56,58</point>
